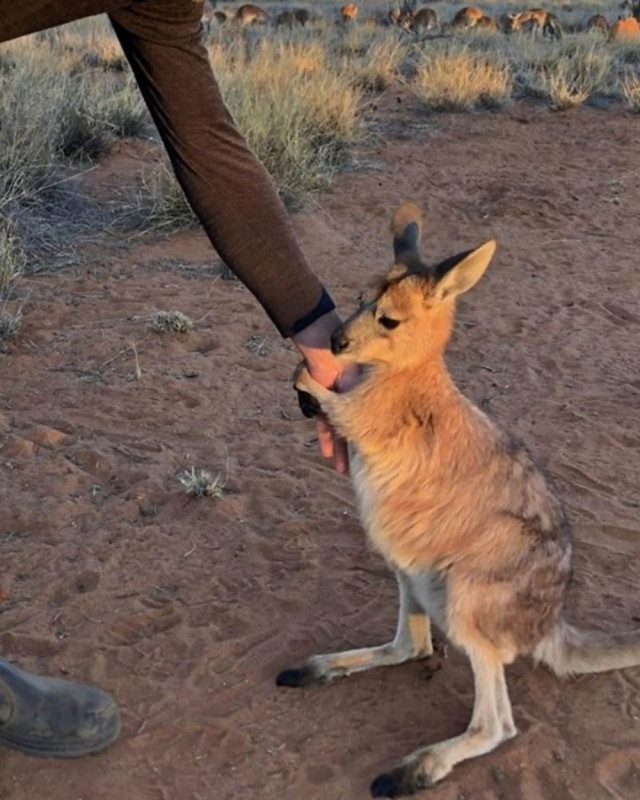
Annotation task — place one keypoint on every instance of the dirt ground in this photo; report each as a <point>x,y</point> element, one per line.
<point>186,609</point>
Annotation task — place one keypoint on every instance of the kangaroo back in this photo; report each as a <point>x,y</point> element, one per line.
<point>625,30</point>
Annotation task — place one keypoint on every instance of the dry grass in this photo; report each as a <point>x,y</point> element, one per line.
<point>380,65</point>
<point>12,256</point>
<point>10,321</point>
<point>298,112</point>
<point>200,483</point>
<point>296,95</point>
<point>160,203</point>
<point>458,79</point>
<point>574,78</point>
<point>631,92</point>
<point>171,322</point>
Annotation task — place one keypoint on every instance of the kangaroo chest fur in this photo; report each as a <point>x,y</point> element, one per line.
<point>429,584</point>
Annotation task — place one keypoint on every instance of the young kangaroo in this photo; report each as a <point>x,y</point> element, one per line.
<point>476,537</point>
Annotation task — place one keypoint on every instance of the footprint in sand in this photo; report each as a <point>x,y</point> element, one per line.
<point>135,627</point>
<point>619,773</point>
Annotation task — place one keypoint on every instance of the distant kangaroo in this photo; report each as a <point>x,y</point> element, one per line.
<point>414,20</point>
<point>251,15</point>
<point>349,13</point>
<point>486,23</point>
<point>293,17</point>
<point>627,29</point>
<point>598,22</point>
<point>467,17</point>
<point>477,538</point>
<point>536,20</point>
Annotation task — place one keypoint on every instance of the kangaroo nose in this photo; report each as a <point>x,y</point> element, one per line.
<point>339,341</point>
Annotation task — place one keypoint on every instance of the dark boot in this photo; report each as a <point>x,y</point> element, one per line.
<point>52,718</point>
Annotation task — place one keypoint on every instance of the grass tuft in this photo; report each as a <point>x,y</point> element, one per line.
<point>631,92</point>
<point>171,322</point>
<point>574,77</point>
<point>201,483</point>
<point>9,324</point>
<point>12,256</point>
<point>459,79</point>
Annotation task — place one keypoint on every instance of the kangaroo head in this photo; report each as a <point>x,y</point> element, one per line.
<point>406,317</point>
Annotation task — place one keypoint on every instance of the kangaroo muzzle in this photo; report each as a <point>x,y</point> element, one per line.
<point>339,341</point>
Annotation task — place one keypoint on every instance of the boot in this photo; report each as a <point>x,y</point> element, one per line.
<point>53,718</point>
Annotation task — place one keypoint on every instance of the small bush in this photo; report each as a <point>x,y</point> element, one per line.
<point>379,67</point>
<point>12,256</point>
<point>461,80</point>
<point>170,322</point>
<point>299,115</point>
<point>575,77</point>
<point>9,324</point>
<point>160,203</point>
<point>201,483</point>
<point>631,92</point>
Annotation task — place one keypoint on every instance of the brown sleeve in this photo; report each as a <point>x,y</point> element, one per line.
<point>228,188</point>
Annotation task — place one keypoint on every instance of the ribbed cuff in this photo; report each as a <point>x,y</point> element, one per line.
<point>324,306</point>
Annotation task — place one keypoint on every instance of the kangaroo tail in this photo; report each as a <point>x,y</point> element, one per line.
<point>573,651</point>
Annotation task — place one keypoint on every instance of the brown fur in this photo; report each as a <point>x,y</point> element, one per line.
<point>293,17</point>
<point>250,14</point>
<point>467,17</point>
<point>625,30</point>
<point>349,12</point>
<point>598,22</point>
<point>486,23</point>
<point>474,532</point>
<point>414,20</point>
<point>536,20</point>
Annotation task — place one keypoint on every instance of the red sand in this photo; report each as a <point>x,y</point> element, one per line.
<point>186,609</point>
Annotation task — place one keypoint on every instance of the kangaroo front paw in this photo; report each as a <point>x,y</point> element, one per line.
<point>302,379</point>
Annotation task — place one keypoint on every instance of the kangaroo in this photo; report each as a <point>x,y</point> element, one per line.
<point>536,20</point>
<point>486,23</point>
<point>212,17</point>
<point>477,538</point>
<point>414,20</point>
<point>289,19</point>
<point>598,22</point>
<point>467,17</point>
<point>251,15</point>
<point>349,13</point>
<point>627,29</point>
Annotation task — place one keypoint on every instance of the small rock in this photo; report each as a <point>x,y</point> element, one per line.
<point>16,447</point>
<point>498,774</point>
<point>46,437</point>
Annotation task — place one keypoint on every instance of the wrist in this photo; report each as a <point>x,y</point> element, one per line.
<point>314,345</point>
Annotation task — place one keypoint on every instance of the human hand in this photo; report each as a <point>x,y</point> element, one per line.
<point>314,344</point>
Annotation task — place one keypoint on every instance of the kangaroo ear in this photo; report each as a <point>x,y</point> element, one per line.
<point>458,274</point>
<point>406,227</point>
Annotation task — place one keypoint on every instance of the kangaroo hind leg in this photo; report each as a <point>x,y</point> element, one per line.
<point>491,723</point>
<point>411,642</point>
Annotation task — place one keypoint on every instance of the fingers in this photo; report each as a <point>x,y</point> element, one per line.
<point>325,437</point>
<point>332,446</point>
<point>340,455</point>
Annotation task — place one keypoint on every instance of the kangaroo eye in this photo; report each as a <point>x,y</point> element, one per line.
<point>389,323</point>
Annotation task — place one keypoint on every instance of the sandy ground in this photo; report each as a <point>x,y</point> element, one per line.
<point>186,609</point>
